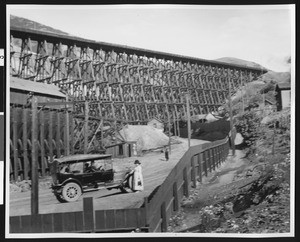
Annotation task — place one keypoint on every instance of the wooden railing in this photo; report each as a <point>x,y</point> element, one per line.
<point>153,216</point>
<point>196,163</point>
<point>86,221</point>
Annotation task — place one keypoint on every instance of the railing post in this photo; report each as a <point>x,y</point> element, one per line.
<point>209,159</point>
<point>200,159</point>
<point>224,152</point>
<point>220,155</point>
<point>186,183</point>
<point>213,156</point>
<point>146,210</point>
<point>175,195</point>
<point>205,162</point>
<point>88,214</point>
<point>193,175</point>
<point>164,225</point>
<point>217,156</point>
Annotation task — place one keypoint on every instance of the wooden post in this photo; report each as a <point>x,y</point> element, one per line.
<point>71,134</point>
<point>102,146</point>
<point>205,162</point>
<point>15,143</point>
<point>194,173</point>
<point>42,143</point>
<point>188,119</point>
<point>210,158</point>
<point>218,156</point>
<point>88,214</point>
<point>169,128</point>
<point>200,159</point>
<point>214,158</point>
<point>186,183</point>
<point>34,165</point>
<point>164,224</point>
<point>86,126</point>
<point>175,195</point>
<point>25,144</point>
<point>208,162</point>
<point>174,124</point>
<point>230,112</point>
<point>58,134</point>
<point>51,135</point>
<point>178,128</point>
<point>146,207</point>
<point>67,130</point>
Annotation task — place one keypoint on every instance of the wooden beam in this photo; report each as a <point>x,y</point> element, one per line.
<point>15,143</point>
<point>86,126</point>
<point>34,165</point>
<point>25,145</point>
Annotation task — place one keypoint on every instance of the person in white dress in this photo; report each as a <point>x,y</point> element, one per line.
<point>138,182</point>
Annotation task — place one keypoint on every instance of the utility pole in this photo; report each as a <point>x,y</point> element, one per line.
<point>187,96</point>
<point>169,127</point>
<point>86,126</point>
<point>34,162</point>
<point>230,113</point>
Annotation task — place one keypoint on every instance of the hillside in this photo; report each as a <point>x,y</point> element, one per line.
<point>276,77</point>
<point>29,24</point>
<point>270,76</point>
<point>233,60</point>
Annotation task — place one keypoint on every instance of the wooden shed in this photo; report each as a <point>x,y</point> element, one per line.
<point>283,95</point>
<point>22,89</point>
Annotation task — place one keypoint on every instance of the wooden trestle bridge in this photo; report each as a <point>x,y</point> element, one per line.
<point>108,83</point>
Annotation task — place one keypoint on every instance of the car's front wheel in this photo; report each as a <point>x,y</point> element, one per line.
<point>71,192</point>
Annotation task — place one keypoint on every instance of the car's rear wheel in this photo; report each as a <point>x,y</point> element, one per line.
<point>71,192</point>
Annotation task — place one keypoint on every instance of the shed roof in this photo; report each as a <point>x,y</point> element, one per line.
<point>35,87</point>
<point>82,157</point>
<point>283,86</point>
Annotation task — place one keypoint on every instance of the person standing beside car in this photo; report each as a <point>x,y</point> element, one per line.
<point>138,182</point>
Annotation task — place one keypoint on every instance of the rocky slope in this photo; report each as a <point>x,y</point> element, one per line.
<point>255,200</point>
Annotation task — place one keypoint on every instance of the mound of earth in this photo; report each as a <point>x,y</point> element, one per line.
<point>147,137</point>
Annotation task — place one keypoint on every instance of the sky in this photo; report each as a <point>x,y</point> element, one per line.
<point>263,34</point>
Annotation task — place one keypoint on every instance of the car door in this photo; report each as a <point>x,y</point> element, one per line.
<point>87,177</point>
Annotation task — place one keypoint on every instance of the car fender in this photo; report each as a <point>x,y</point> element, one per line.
<point>71,180</point>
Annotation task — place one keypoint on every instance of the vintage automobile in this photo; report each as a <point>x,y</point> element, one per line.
<point>75,174</point>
